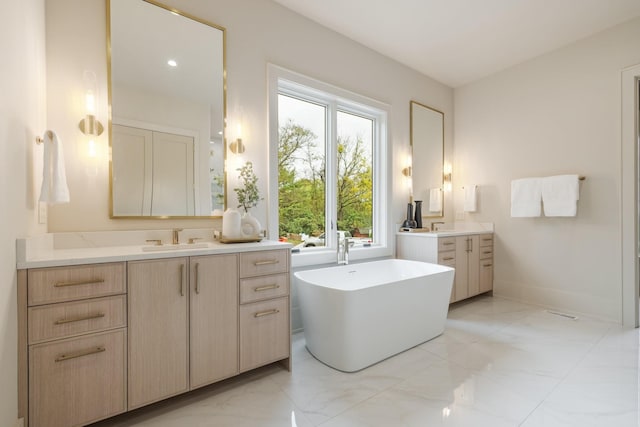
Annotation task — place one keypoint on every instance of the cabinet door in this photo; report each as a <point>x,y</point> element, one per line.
<point>473,264</point>
<point>214,318</point>
<point>460,283</point>
<point>158,330</point>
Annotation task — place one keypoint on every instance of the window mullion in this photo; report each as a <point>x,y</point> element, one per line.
<point>331,170</point>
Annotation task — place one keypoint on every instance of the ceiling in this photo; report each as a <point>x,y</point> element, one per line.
<point>459,41</point>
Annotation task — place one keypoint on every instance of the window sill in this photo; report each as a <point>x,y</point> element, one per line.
<point>328,256</point>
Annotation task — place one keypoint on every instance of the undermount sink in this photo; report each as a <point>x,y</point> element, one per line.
<point>178,247</point>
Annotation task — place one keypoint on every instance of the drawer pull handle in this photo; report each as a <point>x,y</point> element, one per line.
<point>487,252</point>
<point>487,265</point>
<point>448,243</point>
<point>78,319</point>
<point>80,353</point>
<point>268,262</point>
<point>78,283</point>
<point>487,239</point>
<point>448,258</point>
<point>266,313</point>
<point>266,288</point>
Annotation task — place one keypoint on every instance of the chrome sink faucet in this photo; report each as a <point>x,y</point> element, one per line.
<point>343,250</point>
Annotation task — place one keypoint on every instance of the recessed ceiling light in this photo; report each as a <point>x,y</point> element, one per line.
<point>220,133</point>
<point>172,63</point>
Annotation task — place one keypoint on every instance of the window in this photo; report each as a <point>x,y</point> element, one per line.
<point>328,151</point>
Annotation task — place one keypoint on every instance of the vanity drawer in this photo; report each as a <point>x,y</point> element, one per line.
<point>446,244</point>
<point>486,252</point>
<point>263,262</point>
<point>48,322</point>
<point>264,332</point>
<point>486,240</point>
<point>56,284</point>
<point>77,381</point>
<point>264,287</point>
<point>447,258</point>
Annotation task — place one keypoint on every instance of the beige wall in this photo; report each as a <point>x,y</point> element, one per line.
<point>559,113</point>
<point>22,114</point>
<point>258,32</point>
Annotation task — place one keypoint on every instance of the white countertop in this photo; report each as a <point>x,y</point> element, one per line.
<point>53,250</point>
<point>453,229</point>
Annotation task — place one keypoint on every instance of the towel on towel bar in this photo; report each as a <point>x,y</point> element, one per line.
<point>526,195</point>
<point>560,194</point>
<point>54,188</point>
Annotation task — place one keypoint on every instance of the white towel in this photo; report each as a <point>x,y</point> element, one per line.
<point>54,179</point>
<point>526,196</point>
<point>560,194</point>
<point>435,200</point>
<point>470,198</point>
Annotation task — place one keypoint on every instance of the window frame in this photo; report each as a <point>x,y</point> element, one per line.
<point>289,83</point>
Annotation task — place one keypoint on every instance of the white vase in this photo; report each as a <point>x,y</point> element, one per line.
<point>250,226</point>
<point>231,228</point>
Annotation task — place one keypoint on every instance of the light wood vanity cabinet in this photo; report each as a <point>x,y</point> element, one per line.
<point>183,327</point>
<point>264,311</point>
<point>486,263</point>
<point>72,343</point>
<point>214,318</point>
<point>470,254</point>
<point>98,340</point>
<point>158,330</point>
<point>466,282</point>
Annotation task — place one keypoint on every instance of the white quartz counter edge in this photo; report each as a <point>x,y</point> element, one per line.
<point>79,256</point>
<point>444,233</point>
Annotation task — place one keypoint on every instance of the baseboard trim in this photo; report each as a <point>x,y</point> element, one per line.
<point>19,422</point>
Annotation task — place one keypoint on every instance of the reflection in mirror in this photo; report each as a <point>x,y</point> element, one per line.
<point>167,98</point>
<point>427,145</point>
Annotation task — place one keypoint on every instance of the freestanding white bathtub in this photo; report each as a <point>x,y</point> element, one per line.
<point>359,314</point>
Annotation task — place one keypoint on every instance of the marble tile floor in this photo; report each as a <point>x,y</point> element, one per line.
<point>498,363</point>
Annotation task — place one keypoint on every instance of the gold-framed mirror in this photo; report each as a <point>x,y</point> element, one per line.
<point>427,146</point>
<point>167,104</point>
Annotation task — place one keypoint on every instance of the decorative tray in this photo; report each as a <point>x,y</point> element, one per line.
<point>224,239</point>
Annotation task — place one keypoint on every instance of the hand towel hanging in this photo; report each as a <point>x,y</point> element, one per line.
<point>470,198</point>
<point>435,200</point>
<point>560,194</point>
<point>526,197</point>
<point>54,188</point>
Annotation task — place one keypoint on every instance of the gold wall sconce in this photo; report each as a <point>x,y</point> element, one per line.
<point>407,171</point>
<point>447,171</point>
<point>237,146</point>
<point>89,125</point>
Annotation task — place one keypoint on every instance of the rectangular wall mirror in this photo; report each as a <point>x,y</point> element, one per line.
<point>427,145</point>
<point>168,105</point>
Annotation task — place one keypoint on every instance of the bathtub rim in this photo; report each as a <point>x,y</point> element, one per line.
<point>317,276</point>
